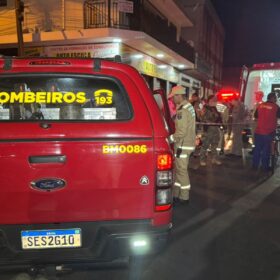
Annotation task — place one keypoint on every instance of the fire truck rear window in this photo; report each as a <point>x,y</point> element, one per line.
<point>56,97</point>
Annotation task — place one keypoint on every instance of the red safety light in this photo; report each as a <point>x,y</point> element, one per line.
<point>224,95</point>
<point>227,95</point>
<point>49,62</point>
<point>164,161</point>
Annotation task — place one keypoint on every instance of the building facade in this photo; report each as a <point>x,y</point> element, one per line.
<point>207,37</point>
<point>144,33</point>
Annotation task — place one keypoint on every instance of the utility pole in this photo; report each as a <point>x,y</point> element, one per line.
<point>109,13</point>
<point>19,6</point>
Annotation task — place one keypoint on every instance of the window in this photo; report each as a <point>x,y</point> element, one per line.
<point>262,80</point>
<point>59,97</point>
<point>3,3</point>
<point>160,104</point>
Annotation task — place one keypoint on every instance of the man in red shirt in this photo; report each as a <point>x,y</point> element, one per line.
<point>266,115</point>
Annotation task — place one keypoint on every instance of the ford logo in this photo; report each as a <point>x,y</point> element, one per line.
<point>48,185</point>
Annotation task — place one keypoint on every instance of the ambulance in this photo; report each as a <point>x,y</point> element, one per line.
<point>263,78</point>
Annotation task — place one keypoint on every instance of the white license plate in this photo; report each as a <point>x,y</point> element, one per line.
<point>51,238</point>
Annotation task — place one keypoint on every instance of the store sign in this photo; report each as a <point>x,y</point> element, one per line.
<point>125,6</point>
<point>33,51</point>
<point>84,51</point>
<point>149,67</point>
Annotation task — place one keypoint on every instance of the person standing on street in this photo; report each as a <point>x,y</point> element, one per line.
<point>224,111</point>
<point>171,105</point>
<point>266,115</point>
<point>211,131</point>
<point>194,98</point>
<point>238,116</point>
<point>184,139</point>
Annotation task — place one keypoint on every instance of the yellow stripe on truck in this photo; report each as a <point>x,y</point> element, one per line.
<point>124,149</point>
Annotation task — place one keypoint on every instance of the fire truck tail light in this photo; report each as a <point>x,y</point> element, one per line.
<point>164,181</point>
<point>164,197</point>
<point>164,161</point>
<point>164,178</point>
<point>162,208</point>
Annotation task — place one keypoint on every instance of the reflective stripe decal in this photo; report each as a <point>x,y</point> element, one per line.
<point>177,184</point>
<point>221,108</point>
<point>190,108</point>
<point>188,148</point>
<point>187,106</point>
<point>185,187</point>
<point>182,156</point>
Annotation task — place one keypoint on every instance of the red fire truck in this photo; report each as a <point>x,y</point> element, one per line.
<point>86,168</point>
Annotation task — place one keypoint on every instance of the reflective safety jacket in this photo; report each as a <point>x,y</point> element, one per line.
<point>266,115</point>
<point>184,136</point>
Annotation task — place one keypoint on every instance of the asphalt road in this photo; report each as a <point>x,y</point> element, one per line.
<point>230,230</point>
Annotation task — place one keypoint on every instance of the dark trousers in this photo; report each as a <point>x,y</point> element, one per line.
<point>262,150</point>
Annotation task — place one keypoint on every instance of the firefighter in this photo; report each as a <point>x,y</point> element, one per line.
<point>184,139</point>
<point>211,131</point>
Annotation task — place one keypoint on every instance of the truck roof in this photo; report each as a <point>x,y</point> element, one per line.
<point>87,66</point>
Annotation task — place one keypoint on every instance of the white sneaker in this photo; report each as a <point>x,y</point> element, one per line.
<point>203,163</point>
<point>216,161</point>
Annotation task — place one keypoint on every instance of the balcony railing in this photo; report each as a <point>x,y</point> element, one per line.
<point>107,14</point>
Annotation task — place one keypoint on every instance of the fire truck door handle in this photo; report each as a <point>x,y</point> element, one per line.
<point>47,159</point>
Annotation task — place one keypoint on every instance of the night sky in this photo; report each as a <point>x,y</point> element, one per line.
<point>252,30</point>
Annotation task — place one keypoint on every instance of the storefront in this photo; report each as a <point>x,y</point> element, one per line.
<point>156,73</point>
<point>83,51</point>
<point>192,85</point>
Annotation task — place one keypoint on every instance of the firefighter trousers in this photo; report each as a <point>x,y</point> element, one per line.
<point>182,185</point>
<point>210,139</point>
